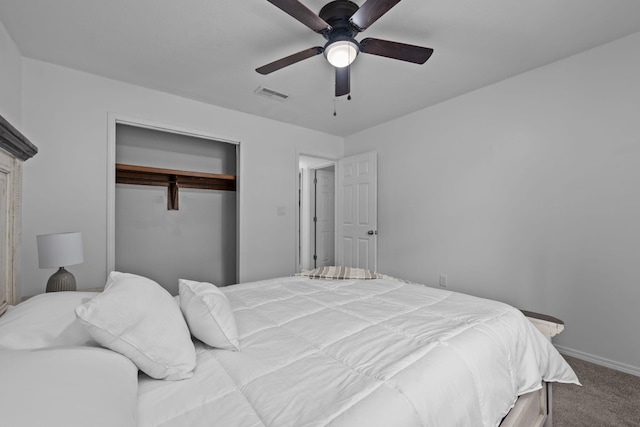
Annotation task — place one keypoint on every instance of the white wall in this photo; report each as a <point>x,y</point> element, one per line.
<point>10,80</point>
<point>65,185</point>
<point>526,191</point>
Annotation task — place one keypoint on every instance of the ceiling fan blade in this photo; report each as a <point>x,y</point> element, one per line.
<point>300,12</point>
<point>395,50</point>
<point>343,83</point>
<point>289,60</point>
<point>370,12</point>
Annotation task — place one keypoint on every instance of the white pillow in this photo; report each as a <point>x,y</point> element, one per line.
<point>68,387</point>
<point>208,314</point>
<point>45,320</point>
<point>139,319</point>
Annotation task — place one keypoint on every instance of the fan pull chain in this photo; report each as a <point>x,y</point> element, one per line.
<point>334,108</point>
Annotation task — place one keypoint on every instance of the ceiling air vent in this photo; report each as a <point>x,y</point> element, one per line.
<point>271,94</point>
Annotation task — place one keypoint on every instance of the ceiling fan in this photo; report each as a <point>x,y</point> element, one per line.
<point>339,22</point>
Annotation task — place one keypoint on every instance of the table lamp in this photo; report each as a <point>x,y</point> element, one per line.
<point>60,250</point>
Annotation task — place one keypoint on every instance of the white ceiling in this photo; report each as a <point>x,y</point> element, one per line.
<point>208,49</point>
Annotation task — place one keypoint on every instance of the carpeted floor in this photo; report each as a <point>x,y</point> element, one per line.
<point>607,398</point>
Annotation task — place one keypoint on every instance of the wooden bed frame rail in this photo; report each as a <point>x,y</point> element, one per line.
<point>531,410</point>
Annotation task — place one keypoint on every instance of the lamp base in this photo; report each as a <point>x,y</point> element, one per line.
<point>61,280</point>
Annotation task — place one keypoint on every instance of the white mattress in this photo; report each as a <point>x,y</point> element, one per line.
<point>358,353</point>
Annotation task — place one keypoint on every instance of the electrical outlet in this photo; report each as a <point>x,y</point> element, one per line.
<point>443,280</point>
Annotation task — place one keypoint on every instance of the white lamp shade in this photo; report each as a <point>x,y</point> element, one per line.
<point>60,250</point>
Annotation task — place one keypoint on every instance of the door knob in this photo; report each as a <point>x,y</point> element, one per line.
<point>372,232</point>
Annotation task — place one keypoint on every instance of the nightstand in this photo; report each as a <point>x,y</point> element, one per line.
<point>549,326</point>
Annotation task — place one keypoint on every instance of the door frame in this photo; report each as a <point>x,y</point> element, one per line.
<point>114,119</point>
<point>330,161</point>
<point>313,190</point>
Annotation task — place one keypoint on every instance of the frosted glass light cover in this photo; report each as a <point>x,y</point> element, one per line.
<point>341,53</point>
<point>60,250</point>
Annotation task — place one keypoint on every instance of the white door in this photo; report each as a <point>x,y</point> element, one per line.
<point>357,215</point>
<point>324,213</point>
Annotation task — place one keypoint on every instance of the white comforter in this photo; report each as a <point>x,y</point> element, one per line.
<point>358,353</point>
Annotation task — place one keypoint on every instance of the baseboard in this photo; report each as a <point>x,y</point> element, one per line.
<point>633,370</point>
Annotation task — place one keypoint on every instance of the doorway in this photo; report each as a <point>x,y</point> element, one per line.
<point>316,213</point>
<point>354,238</point>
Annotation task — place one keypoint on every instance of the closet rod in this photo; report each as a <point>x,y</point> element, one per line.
<point>173,179</point>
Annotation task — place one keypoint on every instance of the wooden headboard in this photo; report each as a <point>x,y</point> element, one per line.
<point>15,149</point>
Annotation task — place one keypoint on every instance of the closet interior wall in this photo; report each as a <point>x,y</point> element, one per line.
<point>196,242</point>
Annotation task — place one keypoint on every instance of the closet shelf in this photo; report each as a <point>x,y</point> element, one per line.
<point>173,179</point>
<point>144,175</point>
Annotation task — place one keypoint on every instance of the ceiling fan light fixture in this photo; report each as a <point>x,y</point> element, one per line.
<point>341,53</point>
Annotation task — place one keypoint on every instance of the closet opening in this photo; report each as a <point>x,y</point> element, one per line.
<point>175,206</point>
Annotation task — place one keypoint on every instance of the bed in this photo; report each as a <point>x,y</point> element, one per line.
<point>292,351</point>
